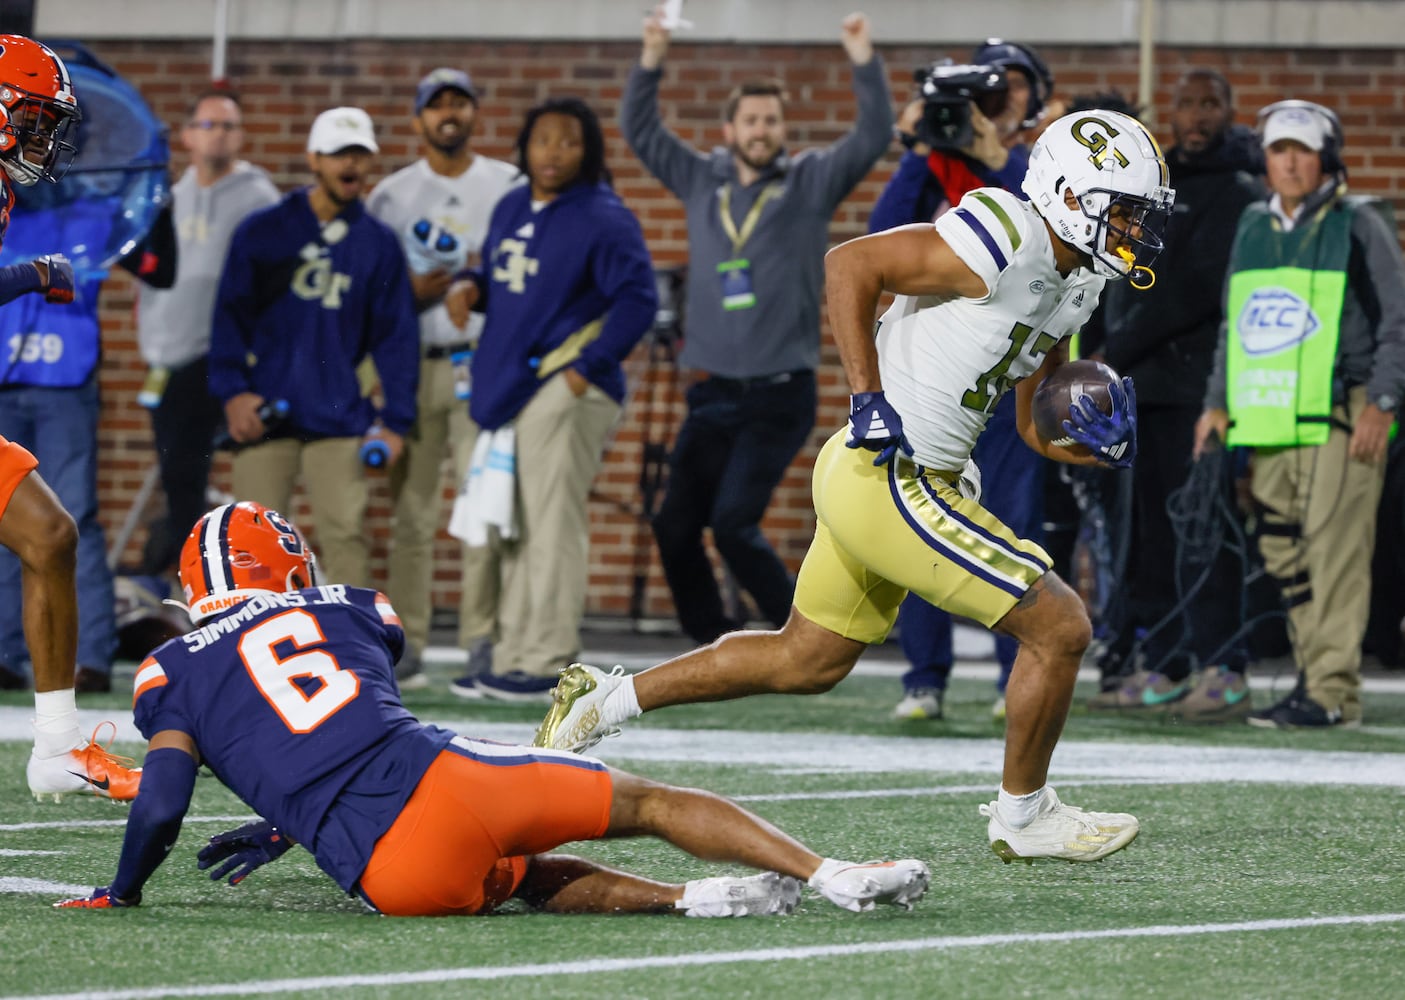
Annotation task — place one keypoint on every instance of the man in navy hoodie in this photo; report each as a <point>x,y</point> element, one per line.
<point>313,286</point>
<point>567,290</point>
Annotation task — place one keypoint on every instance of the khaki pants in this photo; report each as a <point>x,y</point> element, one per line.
<point>335,482</point>
<point>417,489</point>
<point>1325,573</point>
<point>560,441</point>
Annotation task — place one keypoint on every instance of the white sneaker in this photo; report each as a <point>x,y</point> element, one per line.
<point>761,895</point>
<point>919,704</point>
<point>88,770</point>
<point>1060,832</point>
<point>573,722</point>
<point>858,887</point>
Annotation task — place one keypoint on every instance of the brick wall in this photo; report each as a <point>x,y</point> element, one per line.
<point>286,84</point>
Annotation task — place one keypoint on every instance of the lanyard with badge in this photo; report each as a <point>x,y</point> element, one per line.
<point>737,290</point>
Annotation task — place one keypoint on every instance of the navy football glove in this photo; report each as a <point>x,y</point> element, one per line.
<point>101,899</point>
<point>875,426</point>
<point>242,850</point>
<point>1112,439</point>
<point>60,287</point>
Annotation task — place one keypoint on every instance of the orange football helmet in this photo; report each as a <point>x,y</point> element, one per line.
<point>239,550</point>
<point>37,111</point>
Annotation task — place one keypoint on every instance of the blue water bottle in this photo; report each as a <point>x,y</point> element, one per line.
<point>375,453</point>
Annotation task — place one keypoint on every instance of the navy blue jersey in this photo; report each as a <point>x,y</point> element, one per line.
<point>292,702</point>
<point>568,284</point>
<point>300,304</point>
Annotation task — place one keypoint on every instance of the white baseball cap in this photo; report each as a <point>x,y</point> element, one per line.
<point>338,128</point>
<point>1299,124</point>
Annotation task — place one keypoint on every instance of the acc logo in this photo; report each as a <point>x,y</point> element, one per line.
<point>1036,286</point>
<point>1273,320</point>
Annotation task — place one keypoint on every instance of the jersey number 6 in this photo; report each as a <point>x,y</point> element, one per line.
<point>306,686</point>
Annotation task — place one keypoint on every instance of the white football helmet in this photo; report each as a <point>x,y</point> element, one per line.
<point>1106,158</point>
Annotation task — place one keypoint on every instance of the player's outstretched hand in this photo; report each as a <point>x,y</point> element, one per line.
<point>1112,438</point>
<point>875,426</point>
<point>241,851</point>
<point>101,899</point>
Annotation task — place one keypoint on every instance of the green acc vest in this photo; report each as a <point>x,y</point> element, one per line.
<point>1286,292</point>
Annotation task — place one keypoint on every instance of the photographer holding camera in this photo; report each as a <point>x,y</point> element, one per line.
<point>965,132</point>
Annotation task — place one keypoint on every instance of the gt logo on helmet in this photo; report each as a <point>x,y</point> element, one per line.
<point>1099,144</point>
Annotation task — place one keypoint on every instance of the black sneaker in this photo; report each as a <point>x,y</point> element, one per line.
<point>515,686</point>
<point>1298,711</point>
<point>480,664</point>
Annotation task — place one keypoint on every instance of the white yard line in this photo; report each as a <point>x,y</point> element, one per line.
<point>703,959</point>
<point>830,753</point>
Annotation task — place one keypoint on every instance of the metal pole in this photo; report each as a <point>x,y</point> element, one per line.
<point>221,41</point>
<point>1146,64</point>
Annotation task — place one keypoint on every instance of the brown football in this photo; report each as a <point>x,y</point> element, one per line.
<point>1056,394</point>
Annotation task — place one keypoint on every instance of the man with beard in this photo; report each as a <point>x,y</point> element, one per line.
<point>1164,338</point>
<point>758,225</point>
<point>440,206</point>
<point>312,286</point>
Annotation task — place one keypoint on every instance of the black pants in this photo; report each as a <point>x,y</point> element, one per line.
<point>736,442</point>
<point>183,424</point>
<point>1165,436</point>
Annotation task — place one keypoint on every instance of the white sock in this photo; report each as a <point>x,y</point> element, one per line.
<point>621,704</point>
<point>1018,811</point>
<point>826,871</point>
<point>55,723</point>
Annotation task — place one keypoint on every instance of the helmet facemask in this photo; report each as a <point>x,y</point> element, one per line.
<point>1145,216</point>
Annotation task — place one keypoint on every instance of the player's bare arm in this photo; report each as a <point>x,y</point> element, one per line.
<point>908,260</point>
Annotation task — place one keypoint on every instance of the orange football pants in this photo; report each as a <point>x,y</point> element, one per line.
<point>15,463</point>
<point>462,843</point>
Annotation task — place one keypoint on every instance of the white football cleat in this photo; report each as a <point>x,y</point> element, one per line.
<point>1060,832</point>
<point>573,722</point>
<point>858,887</point>
<point>764,895</point>
<point>88,770</point>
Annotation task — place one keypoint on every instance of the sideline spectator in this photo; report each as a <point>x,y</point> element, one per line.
<point>1309,373</point>
<point>440,206</point>
<point>567,289</point>
<point>1164,337</point>
<point>758,223</point>
<point>216,192</point>
<point>312,286</point>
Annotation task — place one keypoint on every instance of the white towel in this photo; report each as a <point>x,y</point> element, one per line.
<point>488,495</point>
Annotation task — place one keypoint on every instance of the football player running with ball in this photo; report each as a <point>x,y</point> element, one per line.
<point>286,691</point>
<point>986,298</point>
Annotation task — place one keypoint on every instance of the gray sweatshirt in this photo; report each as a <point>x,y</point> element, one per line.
<point>781,332</point>
<point>1371,344</point>
<point>173,324</point>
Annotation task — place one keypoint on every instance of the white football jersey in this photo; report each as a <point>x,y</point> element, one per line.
<point>944,365</point>
<point>415,196</point>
